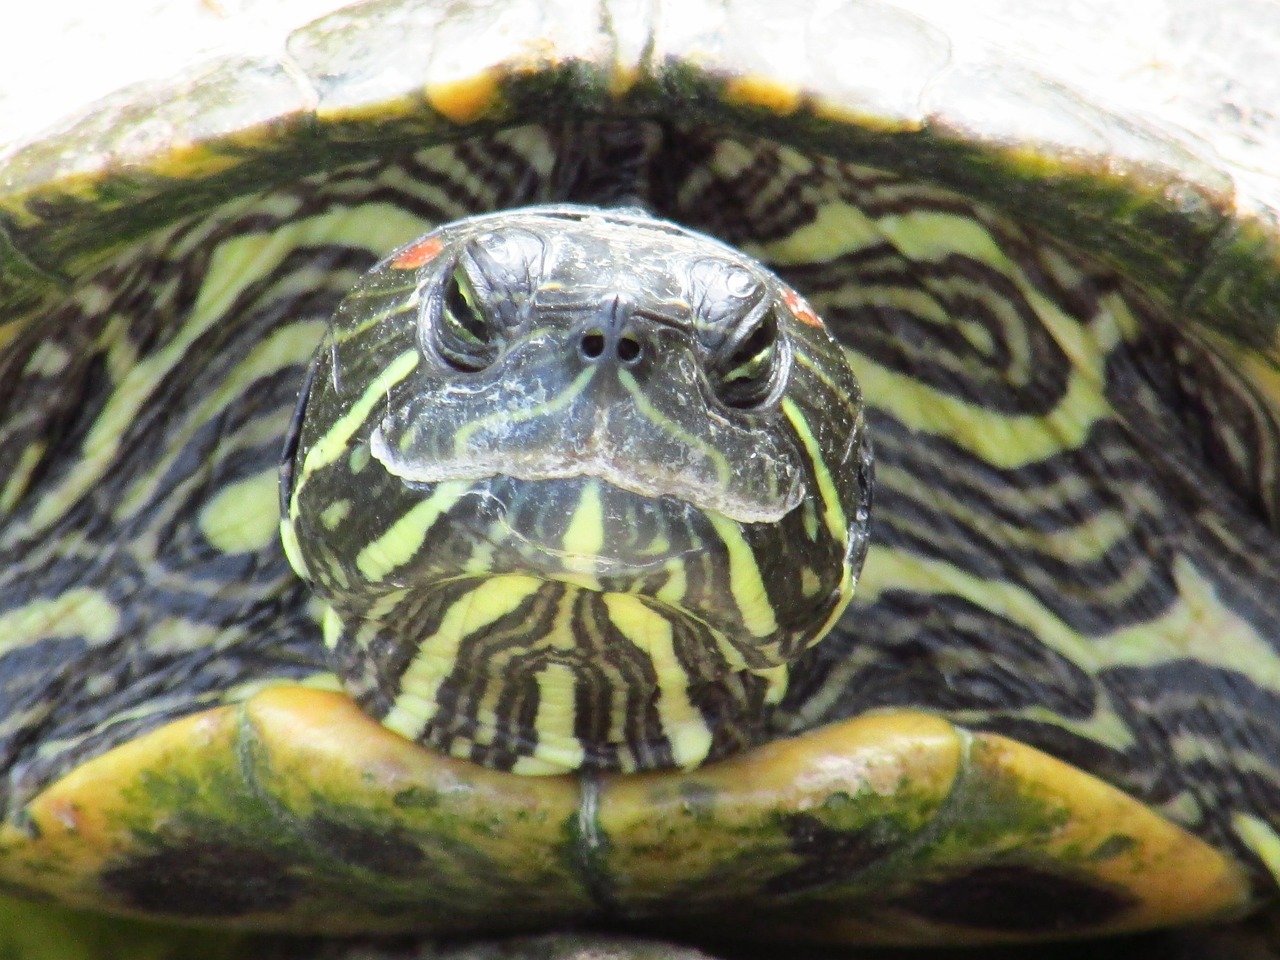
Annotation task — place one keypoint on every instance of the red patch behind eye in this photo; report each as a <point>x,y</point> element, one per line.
<point>419,254</point>
<point>800,308</point>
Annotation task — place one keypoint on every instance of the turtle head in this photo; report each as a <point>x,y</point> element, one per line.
<point>576,487</point>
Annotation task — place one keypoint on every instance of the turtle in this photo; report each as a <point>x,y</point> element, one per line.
<point>722,474</point>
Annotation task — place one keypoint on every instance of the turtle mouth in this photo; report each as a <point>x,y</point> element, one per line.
<point>614,443</point>
<point>706,485</point>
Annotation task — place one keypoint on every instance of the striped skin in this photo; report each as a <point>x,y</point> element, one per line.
<point>1077,495</point>
<point>542,558</point>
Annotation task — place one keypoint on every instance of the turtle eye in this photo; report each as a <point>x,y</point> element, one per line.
<point>463,336</point>
<point>743,376</point>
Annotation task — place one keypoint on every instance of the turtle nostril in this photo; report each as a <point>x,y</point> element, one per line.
<point>592,344</point>
<point>628,350</point>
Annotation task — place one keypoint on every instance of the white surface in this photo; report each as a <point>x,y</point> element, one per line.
<point>1194,64</point>
<point>58,55</point>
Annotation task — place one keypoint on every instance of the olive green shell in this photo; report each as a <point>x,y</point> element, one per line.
<point>1144,137</point>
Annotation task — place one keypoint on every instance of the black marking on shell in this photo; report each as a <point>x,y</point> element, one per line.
<point>831,857</point>
<point>380,850</point>
<point>204,879</point>
<point>1013,898</point>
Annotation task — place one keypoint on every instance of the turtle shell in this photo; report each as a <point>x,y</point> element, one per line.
<point>1050,711</point>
